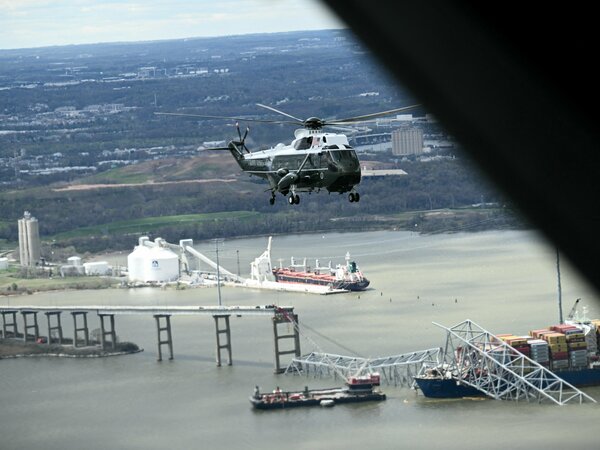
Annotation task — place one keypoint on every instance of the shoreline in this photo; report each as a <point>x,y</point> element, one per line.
<point>15,347</point>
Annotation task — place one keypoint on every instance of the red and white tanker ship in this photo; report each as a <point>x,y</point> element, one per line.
<point>342,277</point>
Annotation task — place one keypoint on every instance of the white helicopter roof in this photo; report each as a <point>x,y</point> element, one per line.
<point>320,140</point>
<point>324,138</point>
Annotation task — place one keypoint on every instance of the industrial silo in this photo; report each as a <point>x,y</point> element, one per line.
<point>29,240</point>
<point>22,243</point>
<point>33,231</point>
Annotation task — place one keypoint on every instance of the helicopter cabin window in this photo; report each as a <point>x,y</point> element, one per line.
<point>290,162</point>
<point>342,155</point>
<point>303,143</point>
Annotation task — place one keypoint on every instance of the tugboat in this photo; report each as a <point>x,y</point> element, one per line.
<point>357,389</point>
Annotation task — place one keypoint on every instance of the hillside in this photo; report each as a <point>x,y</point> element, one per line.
<point>81,147</point>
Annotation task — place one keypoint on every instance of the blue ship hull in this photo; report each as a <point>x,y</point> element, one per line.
<point>450,388</point>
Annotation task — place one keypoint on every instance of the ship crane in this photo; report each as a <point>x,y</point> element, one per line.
<point>573,310</point>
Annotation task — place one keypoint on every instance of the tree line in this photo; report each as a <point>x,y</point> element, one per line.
<point>430,185</point>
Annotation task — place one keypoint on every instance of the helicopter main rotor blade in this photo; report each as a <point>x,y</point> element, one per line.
<point>226,117</point>
<point>344,129</point>
<point>300,121</point>
<point>351,120</point>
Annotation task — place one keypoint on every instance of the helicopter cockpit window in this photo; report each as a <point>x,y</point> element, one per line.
<point>342,155</point>
<point>303,143</point>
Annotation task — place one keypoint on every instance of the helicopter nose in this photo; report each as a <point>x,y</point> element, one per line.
<point>350,166</point>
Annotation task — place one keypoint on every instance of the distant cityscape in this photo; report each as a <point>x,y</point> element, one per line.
<point>76,111</point>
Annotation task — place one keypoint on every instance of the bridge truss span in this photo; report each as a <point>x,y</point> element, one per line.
<point>397,370</point>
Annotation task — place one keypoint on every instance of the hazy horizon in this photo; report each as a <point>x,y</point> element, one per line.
<point>28,24</point>
<point>188,38</point>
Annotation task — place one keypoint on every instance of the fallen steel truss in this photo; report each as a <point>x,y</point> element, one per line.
<point>481,360</point>
<point>398,370</point>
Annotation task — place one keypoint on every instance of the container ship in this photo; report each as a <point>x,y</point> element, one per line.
<point>357,389</point>
<point>323,279</point>
<point>569,350</point>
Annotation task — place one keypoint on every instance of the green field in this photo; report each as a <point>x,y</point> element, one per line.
<point>28,285</point>
<point>149,223</point>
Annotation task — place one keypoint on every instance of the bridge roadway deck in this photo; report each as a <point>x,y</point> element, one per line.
<point>264,310</point>
<point>162,315</point>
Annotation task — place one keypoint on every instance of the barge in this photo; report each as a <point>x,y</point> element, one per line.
<point>357,389</point>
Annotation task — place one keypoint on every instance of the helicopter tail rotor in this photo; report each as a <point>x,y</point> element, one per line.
<point>242,138</point>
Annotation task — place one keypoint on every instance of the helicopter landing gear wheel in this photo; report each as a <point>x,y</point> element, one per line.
<point>353,197</point>
<point>272,200</point>
<point>294,199</point>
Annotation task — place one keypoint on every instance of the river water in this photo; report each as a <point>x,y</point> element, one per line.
<point>503,280</point>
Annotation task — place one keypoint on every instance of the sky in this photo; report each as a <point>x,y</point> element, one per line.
<point>41,23</point>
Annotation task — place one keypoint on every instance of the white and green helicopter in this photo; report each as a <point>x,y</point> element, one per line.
<point>314,160</point>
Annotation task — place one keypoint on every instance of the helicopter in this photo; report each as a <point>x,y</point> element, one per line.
<point>314,160</point>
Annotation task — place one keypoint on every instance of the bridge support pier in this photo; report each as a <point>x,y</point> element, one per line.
<point>295,336</point>
<point>167,329</point>
<point>111,331</point>
<point>57,327</point>
<point>27,327</point>
<point>84,329</point>
<point>227,345</point>
<point>12,324</point>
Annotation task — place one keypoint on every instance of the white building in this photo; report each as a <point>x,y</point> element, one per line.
<point>97,268</point>
<point>407,140</point>
<point>74,261</point>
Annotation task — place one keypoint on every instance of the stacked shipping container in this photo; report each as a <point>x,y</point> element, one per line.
<point>559,347</point>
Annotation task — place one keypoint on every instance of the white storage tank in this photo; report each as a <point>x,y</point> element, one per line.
<point>135,263</point>
<point>156,264</point>
<point>3,263</point>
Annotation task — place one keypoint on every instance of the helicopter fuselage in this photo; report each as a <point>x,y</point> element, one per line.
<point>313,161</point>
